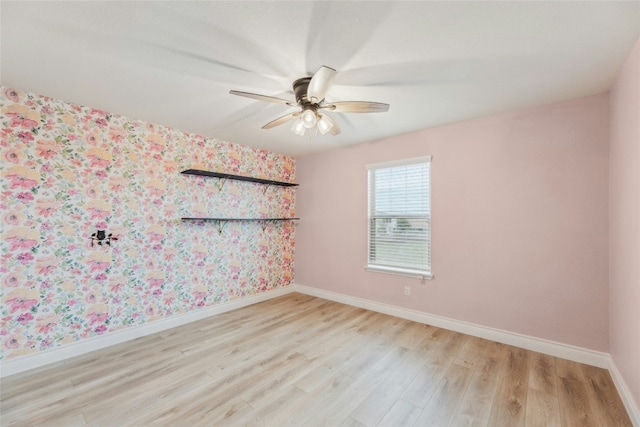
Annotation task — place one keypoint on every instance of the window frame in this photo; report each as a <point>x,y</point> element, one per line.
<point>402,271</point>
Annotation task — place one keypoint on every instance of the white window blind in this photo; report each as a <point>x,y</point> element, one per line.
<point>400,216</point>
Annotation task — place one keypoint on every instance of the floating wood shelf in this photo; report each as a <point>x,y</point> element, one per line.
<point>237,177</point>
<point>221,222</point>
<point>238,219</point>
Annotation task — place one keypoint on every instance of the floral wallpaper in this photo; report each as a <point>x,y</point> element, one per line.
<point>69,170</point>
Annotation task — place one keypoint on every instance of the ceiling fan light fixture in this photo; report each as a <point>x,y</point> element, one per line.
<point>298,127</point>
<point>310,98</point>
<point>308,118</point>
<point>324,125</point>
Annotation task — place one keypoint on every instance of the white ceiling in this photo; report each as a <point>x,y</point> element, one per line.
<point>174,63</point>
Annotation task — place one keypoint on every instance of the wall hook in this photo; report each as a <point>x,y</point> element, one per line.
<point>101,237</point>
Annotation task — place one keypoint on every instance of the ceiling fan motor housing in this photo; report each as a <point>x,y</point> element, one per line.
<point>300,87</point>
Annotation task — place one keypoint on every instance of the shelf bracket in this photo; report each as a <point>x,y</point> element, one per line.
<point>220,225</point>
<point>221,183</point>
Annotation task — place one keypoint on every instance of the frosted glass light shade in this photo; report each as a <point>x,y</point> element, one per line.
<point>298,127</point>
<point>309,118</point>
<point>324,125</point>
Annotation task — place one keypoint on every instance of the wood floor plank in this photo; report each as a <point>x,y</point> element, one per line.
<point>412,334</point>
<point>511,398</point>
<point>387,394</point>
<point>30,381</point>
<point>192,401</point>
<point>442,406</point>
<point>71,419</point>
<point>290,401</point>
<point>314,409</point>
<point>268,381</point>
<point>543,409</point>
<point>343,354</point>
<point>425,383</point>
<point>440,350</point>
<point>575,409</point>
<point>603,398</point>
<point>160,394</point>
<point>450,345</point>
<point>341,405</point>
<point>350,422</point>
<point>299,360</point>
<point>207,414</point>
<point>36,392</point>
<point>324,346</point>
<point>475,407</point>
<point>471,352</point>
<point>85,394</point>
<point>542,374</point>
<point>371,355</point>
<point>313,378</point>
<point>402,413</point>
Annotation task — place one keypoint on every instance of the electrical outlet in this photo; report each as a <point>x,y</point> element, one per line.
<point>407,290</point>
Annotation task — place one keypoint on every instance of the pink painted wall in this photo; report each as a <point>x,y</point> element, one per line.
<point>520,222</point>
<point>624,219</point>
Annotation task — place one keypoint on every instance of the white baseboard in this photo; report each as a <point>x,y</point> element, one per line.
<point>46,357</point>
<point>625,394</point>
<point>564,351</point>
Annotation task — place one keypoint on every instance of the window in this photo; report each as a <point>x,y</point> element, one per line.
<point>400,217</point>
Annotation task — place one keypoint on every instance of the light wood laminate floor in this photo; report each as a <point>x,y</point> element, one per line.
<point>298,360</point>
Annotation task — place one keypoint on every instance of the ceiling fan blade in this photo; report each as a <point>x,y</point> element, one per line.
<point>320,83</point>
<point>335,130</point>
<point>357,107</point>
<point>281,120</point>
<point>264,98</point>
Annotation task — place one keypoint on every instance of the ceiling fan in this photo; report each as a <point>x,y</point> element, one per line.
<point>310,97</point>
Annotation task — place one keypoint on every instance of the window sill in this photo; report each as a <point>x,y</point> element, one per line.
<point>417,274</point>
